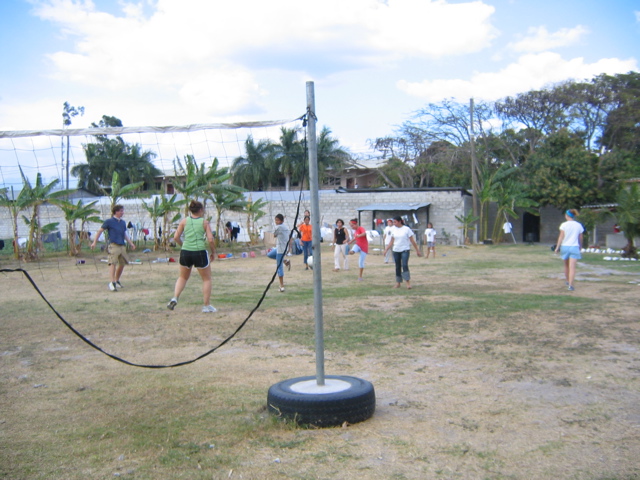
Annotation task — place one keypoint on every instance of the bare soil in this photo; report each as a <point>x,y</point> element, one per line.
<point>520,395</point>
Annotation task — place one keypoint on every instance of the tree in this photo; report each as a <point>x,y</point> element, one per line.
<point>14,205</point>
<point>331,156</point>
<point>33,197</point>
<point>163,207</point>
<point>252,171</point>
<point>108,155</point>
<point>68,112</point>
<point>288,157</point>
<point>627,215</point>
<point>84,213</point>
<point>563,173</point>
<point>254,213</point>
<point>119,191</point>
<point>536,113</point>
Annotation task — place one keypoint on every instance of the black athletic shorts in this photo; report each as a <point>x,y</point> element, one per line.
<point>199,259</point>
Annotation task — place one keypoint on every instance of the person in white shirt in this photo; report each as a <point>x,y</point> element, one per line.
<point>430,236</point>
<point>402,237</point>
<point>387,239</point>
<point>569,245</point>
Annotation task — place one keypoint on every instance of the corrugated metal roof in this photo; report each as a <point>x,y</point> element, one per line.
<point>388,207</point>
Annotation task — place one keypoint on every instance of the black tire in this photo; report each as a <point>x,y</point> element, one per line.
<point>352,405</point>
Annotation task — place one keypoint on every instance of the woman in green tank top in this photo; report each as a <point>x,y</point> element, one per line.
<point>197,233</point>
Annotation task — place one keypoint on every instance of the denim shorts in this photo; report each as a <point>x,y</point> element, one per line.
<point>570,252</point>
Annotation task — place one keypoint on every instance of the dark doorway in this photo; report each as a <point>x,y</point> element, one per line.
<point>530,228</point>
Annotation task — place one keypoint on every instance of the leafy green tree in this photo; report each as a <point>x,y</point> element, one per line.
<point>331,156</point>
<point>563,173</point>
<point>108,155</point>
<point>627,215</point>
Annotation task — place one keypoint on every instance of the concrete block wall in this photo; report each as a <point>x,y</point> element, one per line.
<point>445,205</point>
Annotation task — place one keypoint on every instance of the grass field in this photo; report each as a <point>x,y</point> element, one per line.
<point>487,369</point>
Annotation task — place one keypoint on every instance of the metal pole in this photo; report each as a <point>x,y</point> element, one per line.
<point>315,222</point>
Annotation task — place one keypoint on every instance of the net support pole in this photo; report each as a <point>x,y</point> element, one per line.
<point>315,222</point>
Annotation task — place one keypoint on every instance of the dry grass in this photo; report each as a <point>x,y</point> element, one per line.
<point>487,369</point>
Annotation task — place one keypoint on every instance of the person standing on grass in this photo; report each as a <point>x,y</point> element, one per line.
<point>116,229</point>
<point>430,238</point>
<point>402,237</point>
<point>306,237</point>
<point>197,233</point>
<point>281,234</point>
<point>569,245</point>
<point>387,239</point>
<point>361,244</point>
<point>340,241</point>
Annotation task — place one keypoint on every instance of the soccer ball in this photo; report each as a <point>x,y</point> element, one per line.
<point>310,262</point>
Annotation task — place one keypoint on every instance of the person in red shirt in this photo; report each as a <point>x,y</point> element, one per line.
<point>306,238</point>
<point>361,244</point>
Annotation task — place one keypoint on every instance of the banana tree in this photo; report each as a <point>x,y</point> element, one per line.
<point>254,213</point>
<point>14,205</point>
<point>84,213</point>
<point>34,197</point>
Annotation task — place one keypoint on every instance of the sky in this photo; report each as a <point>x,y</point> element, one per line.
<point>373,62</point>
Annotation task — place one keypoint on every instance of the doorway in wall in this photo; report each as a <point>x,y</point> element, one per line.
<point>530,228</point>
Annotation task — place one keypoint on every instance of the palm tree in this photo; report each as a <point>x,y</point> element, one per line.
<point>510,194</point>
<point>225,200</point>
<point>253,171</point>
<point>331,156</point>
<point>288,156</point>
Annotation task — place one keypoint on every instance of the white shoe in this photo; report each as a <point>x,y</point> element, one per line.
<point>112,287</point>
<point>172,303</point>
<point>209,309</point>
<point>281,289</point>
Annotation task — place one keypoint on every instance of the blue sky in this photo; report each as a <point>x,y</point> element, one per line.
<point>374,62</point>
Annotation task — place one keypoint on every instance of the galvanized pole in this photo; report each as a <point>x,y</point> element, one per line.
<point>315,222</point>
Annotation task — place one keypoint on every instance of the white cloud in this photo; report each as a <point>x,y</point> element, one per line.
<point>531,71</point>
<point>169,48</point>
<point>541,40</point>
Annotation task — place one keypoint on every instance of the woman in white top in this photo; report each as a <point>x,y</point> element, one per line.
<point>569,244</point>
<point>402,237</point>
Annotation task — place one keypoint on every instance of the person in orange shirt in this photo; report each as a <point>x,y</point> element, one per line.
<point>306,238</point>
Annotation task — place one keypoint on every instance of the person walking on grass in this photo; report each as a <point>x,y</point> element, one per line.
<point>402,237</point>
<point>361,244</point>
<point>197,234</point>
<point>281,234</point>
<point>116,229</point>
<point>306,237</point>
<point>340,242</point>
<point>569,245</point>
<point>430,238</point>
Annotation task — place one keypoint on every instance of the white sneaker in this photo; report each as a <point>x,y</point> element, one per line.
<point>172,303</point>
<point>209,309</point>
<point>112,287</point>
